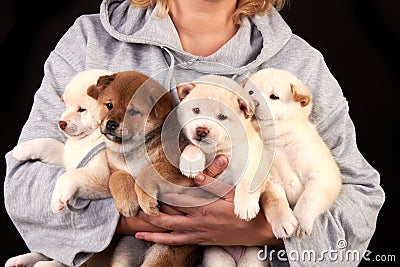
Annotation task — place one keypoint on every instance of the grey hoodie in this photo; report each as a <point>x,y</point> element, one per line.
<point>120,38</point>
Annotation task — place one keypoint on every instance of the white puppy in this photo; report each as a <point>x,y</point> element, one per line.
<point>304,173</point>
<point>216,118</point>
<point>85,177</point>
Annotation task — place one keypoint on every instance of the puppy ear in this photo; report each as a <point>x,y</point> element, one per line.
<point>102,83</point>
<point>105,80</point>
<point>94,91</point>
<point>163,100</point>
<point>300,94</point>
<point>62,97</point>
<point>245,107</point>
<point>184,89</point>
<point>163,106</point>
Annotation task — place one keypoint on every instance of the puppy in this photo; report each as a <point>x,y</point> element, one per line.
<point>304,174</point>
<point>134,108</point>
<point>216,118</point>
<point>85,177</point>
<point>83,157</point>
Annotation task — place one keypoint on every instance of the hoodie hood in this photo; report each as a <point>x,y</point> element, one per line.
<point>257,40</point>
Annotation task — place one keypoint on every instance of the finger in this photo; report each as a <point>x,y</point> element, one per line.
<point>189,199</point>
<point>217,166</point>
<point>215,186</point>
<point>166,221</point>
<point>169,210</point>
<point>173,238</point>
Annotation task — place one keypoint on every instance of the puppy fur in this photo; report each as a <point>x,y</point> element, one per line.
<point>304,174</point>
<point>80,123</point>
<point>134,108</point>
<point>216,119</point>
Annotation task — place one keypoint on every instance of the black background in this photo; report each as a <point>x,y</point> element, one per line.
<point>360,40</point>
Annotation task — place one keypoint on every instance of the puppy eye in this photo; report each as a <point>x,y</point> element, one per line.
<point>222,117</point>
<point>251,92</point>
<point>109,106</point>
<point>196,110</point>
<point>81,109</point>
<point>274,97</point>
<point>133,112</point>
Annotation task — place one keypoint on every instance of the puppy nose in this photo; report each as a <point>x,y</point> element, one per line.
<point>112,125</point>
<point>62,125</point>
<point>202,132</point>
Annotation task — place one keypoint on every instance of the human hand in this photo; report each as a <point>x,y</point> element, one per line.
<point>214,223</point>
<point>131,225</point>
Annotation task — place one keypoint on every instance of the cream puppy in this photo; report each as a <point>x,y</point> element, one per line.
<point>304,172</point>
<point>80,122</point>
<point>217,120</point>
<point>85,177</point>
<point>216,117</point>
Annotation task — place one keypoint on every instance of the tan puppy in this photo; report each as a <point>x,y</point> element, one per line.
<point>123,129</point>
<point>304,174</point>
<point>216,118</point>
<point>134,108</point>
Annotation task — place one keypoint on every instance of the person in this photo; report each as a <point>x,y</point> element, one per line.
<point>177,41</point>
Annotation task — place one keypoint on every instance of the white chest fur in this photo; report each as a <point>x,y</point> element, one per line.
<point>76,149</point>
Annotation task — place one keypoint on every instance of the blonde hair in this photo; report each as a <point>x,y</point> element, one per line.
<point>244,8</point>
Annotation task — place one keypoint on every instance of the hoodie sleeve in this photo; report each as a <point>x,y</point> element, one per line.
<point>341,235</point>
<point>68,237</point>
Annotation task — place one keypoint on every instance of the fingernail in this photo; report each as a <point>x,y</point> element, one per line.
<point>139,236</point>
<point>199,178</point>
<point>220,161</point>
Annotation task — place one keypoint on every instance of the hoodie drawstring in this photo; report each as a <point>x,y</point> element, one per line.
<point>168,78</point>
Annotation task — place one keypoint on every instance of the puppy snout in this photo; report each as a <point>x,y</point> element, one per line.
<point>112,125</point>
<point>62,125</point>
<point>202,132</point>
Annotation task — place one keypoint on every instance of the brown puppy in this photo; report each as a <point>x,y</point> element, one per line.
<point>133,111</point>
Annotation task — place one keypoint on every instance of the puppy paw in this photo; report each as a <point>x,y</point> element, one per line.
<point>283,224</point>
<point>246,208</point>
<point>151,210</point>
<point>248,212</point>
<point>59,201</point>
<point>63,192</point>
<point>58,205</point>
<point>304,228</point>
<point>127,207</point>
<point>305,223</point>
<point>192,161</point>
<point>52,263</point>
<point>28,259</point>
<point>22,152</point>
<point>149,206</point>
